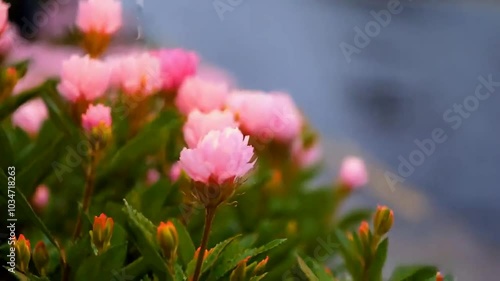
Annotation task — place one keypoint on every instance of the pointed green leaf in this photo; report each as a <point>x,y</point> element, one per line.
<point>375,270</point>
<point>186,247</point>
<point>306,270</point>
<point>413,273</point>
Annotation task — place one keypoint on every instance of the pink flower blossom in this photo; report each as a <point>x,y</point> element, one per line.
<point>176,65</point>
<point>30,116</point>
<point>175,171</point>
<point>306,156</point>
<point>220,156</point>
<point>137,74</point>
<point>41,196</point>
<point>353,172</point>
<point>4,16</point>
<point>199,124</point>
<point>152,176</point>
<point>96,116</point>
<point>83,78</point>
<point>100,16</point>
<point>205,96</point>
<point>272,116</point>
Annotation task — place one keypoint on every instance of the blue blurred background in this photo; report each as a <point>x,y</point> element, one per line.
<point>393,88</point>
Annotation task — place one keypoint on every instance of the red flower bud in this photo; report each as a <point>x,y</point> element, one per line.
<point>240,272</point>
<point>41,258</point>
<point>383,220</point>
<point>102,231</point>
<point>439,277</point>
<point>23,253</point>
<point>168,239</point>
<point>260,268</point>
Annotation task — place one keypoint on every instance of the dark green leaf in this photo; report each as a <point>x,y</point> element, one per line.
<point>103,267</point>
<point>186,247</point>
<point>413,273</point>
<point>375,270</point>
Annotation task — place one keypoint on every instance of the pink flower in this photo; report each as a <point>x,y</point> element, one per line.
<point>137,74</point>
<point>41,196</point>
<point>175,171</point>
<point>95,117</point>
<point>152,176</point>
<point>219,157</point>
<point>4,16</point>
<point>83,78</point>
<point>199,124</point>
<point>306,156</point>
<point>176,65</point>
<point>353,172</point>
<point>272,116</point>
<point>205,96</point>
<point>30,116</point>
<point>100,16</point>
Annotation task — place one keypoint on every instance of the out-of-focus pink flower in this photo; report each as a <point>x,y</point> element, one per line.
<point>30,116</point>
<point>7,40</point>
<point>152,176</point>
<point>353,172</point>
<point>199,124</point>
<point>97,116</point>
<point>176,66</point>
<point>266,116</point>
<point>41,196</point>
<point>137,74</point>
<point>219,157</point>
<point>306,156</point>
<point>4,16</point>
<point>175,171</point>
<point>205,96</point>
<point>99,16</point>
<point>217,75</point>
<point>83,78</point>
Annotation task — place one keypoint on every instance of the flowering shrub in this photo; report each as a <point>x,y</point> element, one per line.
<point>135,168</point>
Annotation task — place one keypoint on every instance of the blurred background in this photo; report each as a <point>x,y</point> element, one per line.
<point>377,78</point>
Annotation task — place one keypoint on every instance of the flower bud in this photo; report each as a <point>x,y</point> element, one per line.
<point>41,258</point>
<point>260,268</point>
<point>197,253</point>
<point>383,220</point>
<point>9,78</point>
<point>439,277</point>
<point>364,232</point>
<point>41,197</point>
<point>240,272</point>
<point>168,240</point>
<point>96,123</point>
<point>23,253</point>
<point>353,172</point>
<point>101,233</point>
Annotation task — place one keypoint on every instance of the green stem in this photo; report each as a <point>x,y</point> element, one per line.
<point>209,216</point>
<point>87,195</point>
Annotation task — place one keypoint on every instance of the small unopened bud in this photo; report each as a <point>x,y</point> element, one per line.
<point>364,232</point>
<point>168,240</point>
<point>383,220</point>
<point>9,78</point>
<point>102,231</point>
<point>197,253</point>
<point>23,253</point>
<point>260,268</point>
<point>96,123</point>
<point>41,258</point>
<point>240,272</point>
<point>439,277</point>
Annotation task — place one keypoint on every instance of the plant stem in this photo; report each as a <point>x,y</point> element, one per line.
<point>87,195</point>
<point>209,216</point>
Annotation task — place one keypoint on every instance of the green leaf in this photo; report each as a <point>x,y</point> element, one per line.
<point>7,158</point>
<point>57,113</point>
<point>135,269</point>
<point>143,232</point>
<point>150,139</point>
<point>375,270</point>
<point>228,263</point>
<point>186,247</point>
<point>103,267</point>
<point>211,258</point>
<point>354,218</point>
<point>306,270</point>
<point>258,278</point>
<point>79,251</point>
<point>22,205</point>
<point>413,273</point>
